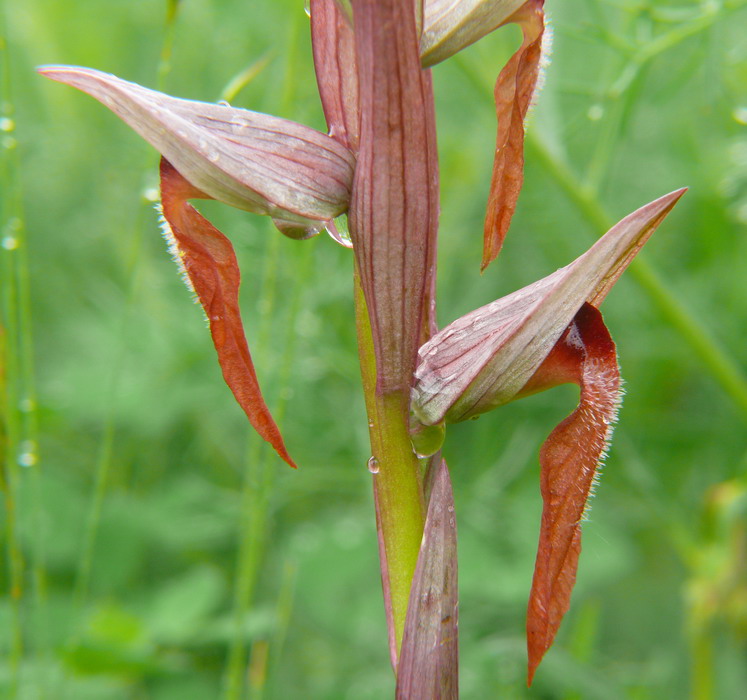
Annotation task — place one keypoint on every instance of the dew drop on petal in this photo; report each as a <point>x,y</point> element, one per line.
<point>151,194</point>
<point>373,465</point>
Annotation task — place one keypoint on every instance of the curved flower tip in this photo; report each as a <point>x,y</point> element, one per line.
<point>249,160</point>
<point>451,25</point>
<point>485,358</point>
<point>569,460</point>
<point>210,266</point>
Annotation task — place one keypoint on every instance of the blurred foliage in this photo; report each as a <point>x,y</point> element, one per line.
<point>154,549</point>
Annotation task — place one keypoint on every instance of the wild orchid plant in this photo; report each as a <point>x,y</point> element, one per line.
<point>378,164</point>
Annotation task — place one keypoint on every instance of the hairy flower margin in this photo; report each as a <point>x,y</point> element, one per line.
<point>548,333</point>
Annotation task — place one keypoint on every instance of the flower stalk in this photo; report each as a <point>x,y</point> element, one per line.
<point>397,483</point>
<point>378,164</point>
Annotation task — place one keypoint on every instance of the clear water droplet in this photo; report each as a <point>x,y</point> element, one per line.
<point>224,103</point>
<point>27,456</point>
<point>151,194</point>
<point>740,115</point>
<point>307,8</point>
<point>426,439</point>
<point>214,157</point>
<point>373,465</point>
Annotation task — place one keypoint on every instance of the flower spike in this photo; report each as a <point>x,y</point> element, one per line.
<point>249,160</point>
<point>212,271</point>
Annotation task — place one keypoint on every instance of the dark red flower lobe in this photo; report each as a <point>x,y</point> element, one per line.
<point>211,268</point>
<point>569,460</point>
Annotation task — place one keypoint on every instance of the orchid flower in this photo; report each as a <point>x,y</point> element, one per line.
<point>378,164</point>
<point>263,164</point>
<point>546,334</point>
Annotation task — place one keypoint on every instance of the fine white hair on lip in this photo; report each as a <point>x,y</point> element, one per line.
<point>544,64</point>
<point>603,391</point>
<point>176,255</point>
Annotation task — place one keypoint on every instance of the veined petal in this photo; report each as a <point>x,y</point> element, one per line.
<point>483,359</point>
<point>569,460</point>
<point>429,659</point>
<point>210,265</point>
<point>336,74</point>
<point>513,95</point>
<point>249,160</point>
<point>394,206</point>
<point>451,25</point>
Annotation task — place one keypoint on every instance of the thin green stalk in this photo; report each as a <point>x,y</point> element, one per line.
<point>167,45</point>
<point>283,611</point>
<point>399,494</point>
<point>103,467</point>
<point>622,92</point>
<point>397,476</point>
<point>715,359</point>
<point>701,670</point>
<point>260,472</point>
<point>255,492</point>
<point>17,438</point>
<point>253,527</point>
<point>106,446</point>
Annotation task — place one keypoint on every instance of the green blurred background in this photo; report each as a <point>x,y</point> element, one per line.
<point>154,548</point>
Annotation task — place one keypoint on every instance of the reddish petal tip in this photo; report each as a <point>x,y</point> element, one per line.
<point>531,668</point>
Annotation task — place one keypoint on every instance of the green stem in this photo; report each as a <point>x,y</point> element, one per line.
<point>397,476</point>
<point>701,673</point>
<point>721,366</point>
<point>15,371</point>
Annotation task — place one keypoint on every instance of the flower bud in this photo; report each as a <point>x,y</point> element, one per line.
<point>252,161</point>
